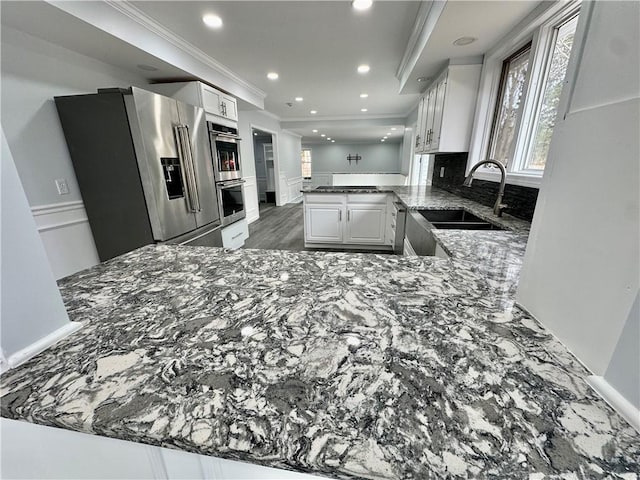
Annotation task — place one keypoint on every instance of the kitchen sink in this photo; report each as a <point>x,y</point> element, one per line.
<point>457,219</point>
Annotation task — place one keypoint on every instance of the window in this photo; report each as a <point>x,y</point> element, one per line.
<point>520,94</point>
<point>505,121</point>
<point>306,163</point>
<point>545,117</point>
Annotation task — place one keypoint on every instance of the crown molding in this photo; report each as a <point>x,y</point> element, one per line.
<point>144,20</point>
<point>423,27</point>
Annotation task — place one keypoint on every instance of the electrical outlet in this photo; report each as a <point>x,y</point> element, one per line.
<point>441,172</point>
<point>62,186</point>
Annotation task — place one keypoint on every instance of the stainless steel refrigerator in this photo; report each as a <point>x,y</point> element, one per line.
<point>144,167</point>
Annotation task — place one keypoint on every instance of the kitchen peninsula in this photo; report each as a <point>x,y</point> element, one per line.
<point>344,365</point>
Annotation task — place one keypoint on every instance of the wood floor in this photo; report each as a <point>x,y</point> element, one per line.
<point>279,228</point>
<point>282,228</point>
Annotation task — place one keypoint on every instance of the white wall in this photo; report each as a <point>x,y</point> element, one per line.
<point>376,158</point>
<point>581,269</point>
<point>287,151</point>
<point>33,71</point>
<point>31,307</point>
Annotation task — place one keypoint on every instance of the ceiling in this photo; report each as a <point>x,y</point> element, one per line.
<point>314,46</point>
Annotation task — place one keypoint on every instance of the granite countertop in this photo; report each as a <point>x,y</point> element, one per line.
<point>341,364</point>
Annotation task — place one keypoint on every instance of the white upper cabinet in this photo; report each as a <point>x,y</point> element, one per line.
<point>218,105</point>
<point>445,114</point>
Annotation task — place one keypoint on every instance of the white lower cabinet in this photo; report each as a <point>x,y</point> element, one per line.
<point>323,223</point>
<point>353,220</point>
<point>366,224</point>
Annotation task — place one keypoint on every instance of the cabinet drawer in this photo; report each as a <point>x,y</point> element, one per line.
<point>235,234</point>
<point>368,198</point>
<point>335,199</point>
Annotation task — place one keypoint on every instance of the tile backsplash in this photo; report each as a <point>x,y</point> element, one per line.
<point>521,201</point>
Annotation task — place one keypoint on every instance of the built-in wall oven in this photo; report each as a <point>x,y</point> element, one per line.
<point>225,152</point>
<point>231,201</point>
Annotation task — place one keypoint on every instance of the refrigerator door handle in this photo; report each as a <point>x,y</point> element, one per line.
<point>189,156</point>
<point>187,166</point>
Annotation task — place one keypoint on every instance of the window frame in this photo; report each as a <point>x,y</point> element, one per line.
<point>538,28</point>
<point>303,162</point>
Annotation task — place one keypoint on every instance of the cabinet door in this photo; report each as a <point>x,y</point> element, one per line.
<point>210,100</point>
<point>420,128</point>
<point>323,223</point>
<point>228,107</point>
<point>440,91</point>
<point>366,224</point>
<point>431,106</point>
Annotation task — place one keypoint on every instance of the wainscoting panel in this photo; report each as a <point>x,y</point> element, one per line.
<point>294,186</point>
<point>251,199</point>
<point>283,190</point>
<point>66,236</point>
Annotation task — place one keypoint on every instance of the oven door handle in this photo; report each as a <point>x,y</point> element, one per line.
<point>225,136</point>
<point>186,159</point>
<point>231,183</point>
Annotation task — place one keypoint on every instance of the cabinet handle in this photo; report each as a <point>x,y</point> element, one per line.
<point>339,215</point>
<point>348,215</point>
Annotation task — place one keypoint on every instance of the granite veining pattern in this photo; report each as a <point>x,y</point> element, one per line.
<point>344,365</point>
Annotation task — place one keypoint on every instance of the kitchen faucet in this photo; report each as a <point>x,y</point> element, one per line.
<point>498,206</point>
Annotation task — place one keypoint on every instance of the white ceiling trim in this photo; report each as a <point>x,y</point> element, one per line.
<point>171,48</point>
<point>423,27</point>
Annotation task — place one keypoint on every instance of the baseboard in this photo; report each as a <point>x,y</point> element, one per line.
<point>35,348</point>
<point>598,383</point>
<point>620,404</point>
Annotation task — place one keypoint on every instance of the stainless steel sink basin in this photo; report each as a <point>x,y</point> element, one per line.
<point>457,219</point>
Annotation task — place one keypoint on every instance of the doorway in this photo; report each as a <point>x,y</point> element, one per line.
<point>264,156</point>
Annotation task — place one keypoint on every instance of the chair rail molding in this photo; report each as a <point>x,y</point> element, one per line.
<point>66,235</point>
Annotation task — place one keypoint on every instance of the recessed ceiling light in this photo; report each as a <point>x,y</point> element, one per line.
<point>299,99</point>
<point>328,138</point>
<point>322,135</point>
<point>388,133</point>
<point>363,68</point>
<point>313,112</point>
<point>361,4</point>
<point>382,140</point>
<point>364,95</point>
<point>314,130</point>
<point>272,76</point>
<point>212,21</point>
<point>464,41</point>
<point>363,110</point>
<point>393,128</point>
<point>333,141</point>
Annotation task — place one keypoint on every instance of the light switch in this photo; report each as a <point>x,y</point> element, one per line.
<point>61,185</point>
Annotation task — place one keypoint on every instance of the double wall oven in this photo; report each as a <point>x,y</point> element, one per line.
<point>225,152</point>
